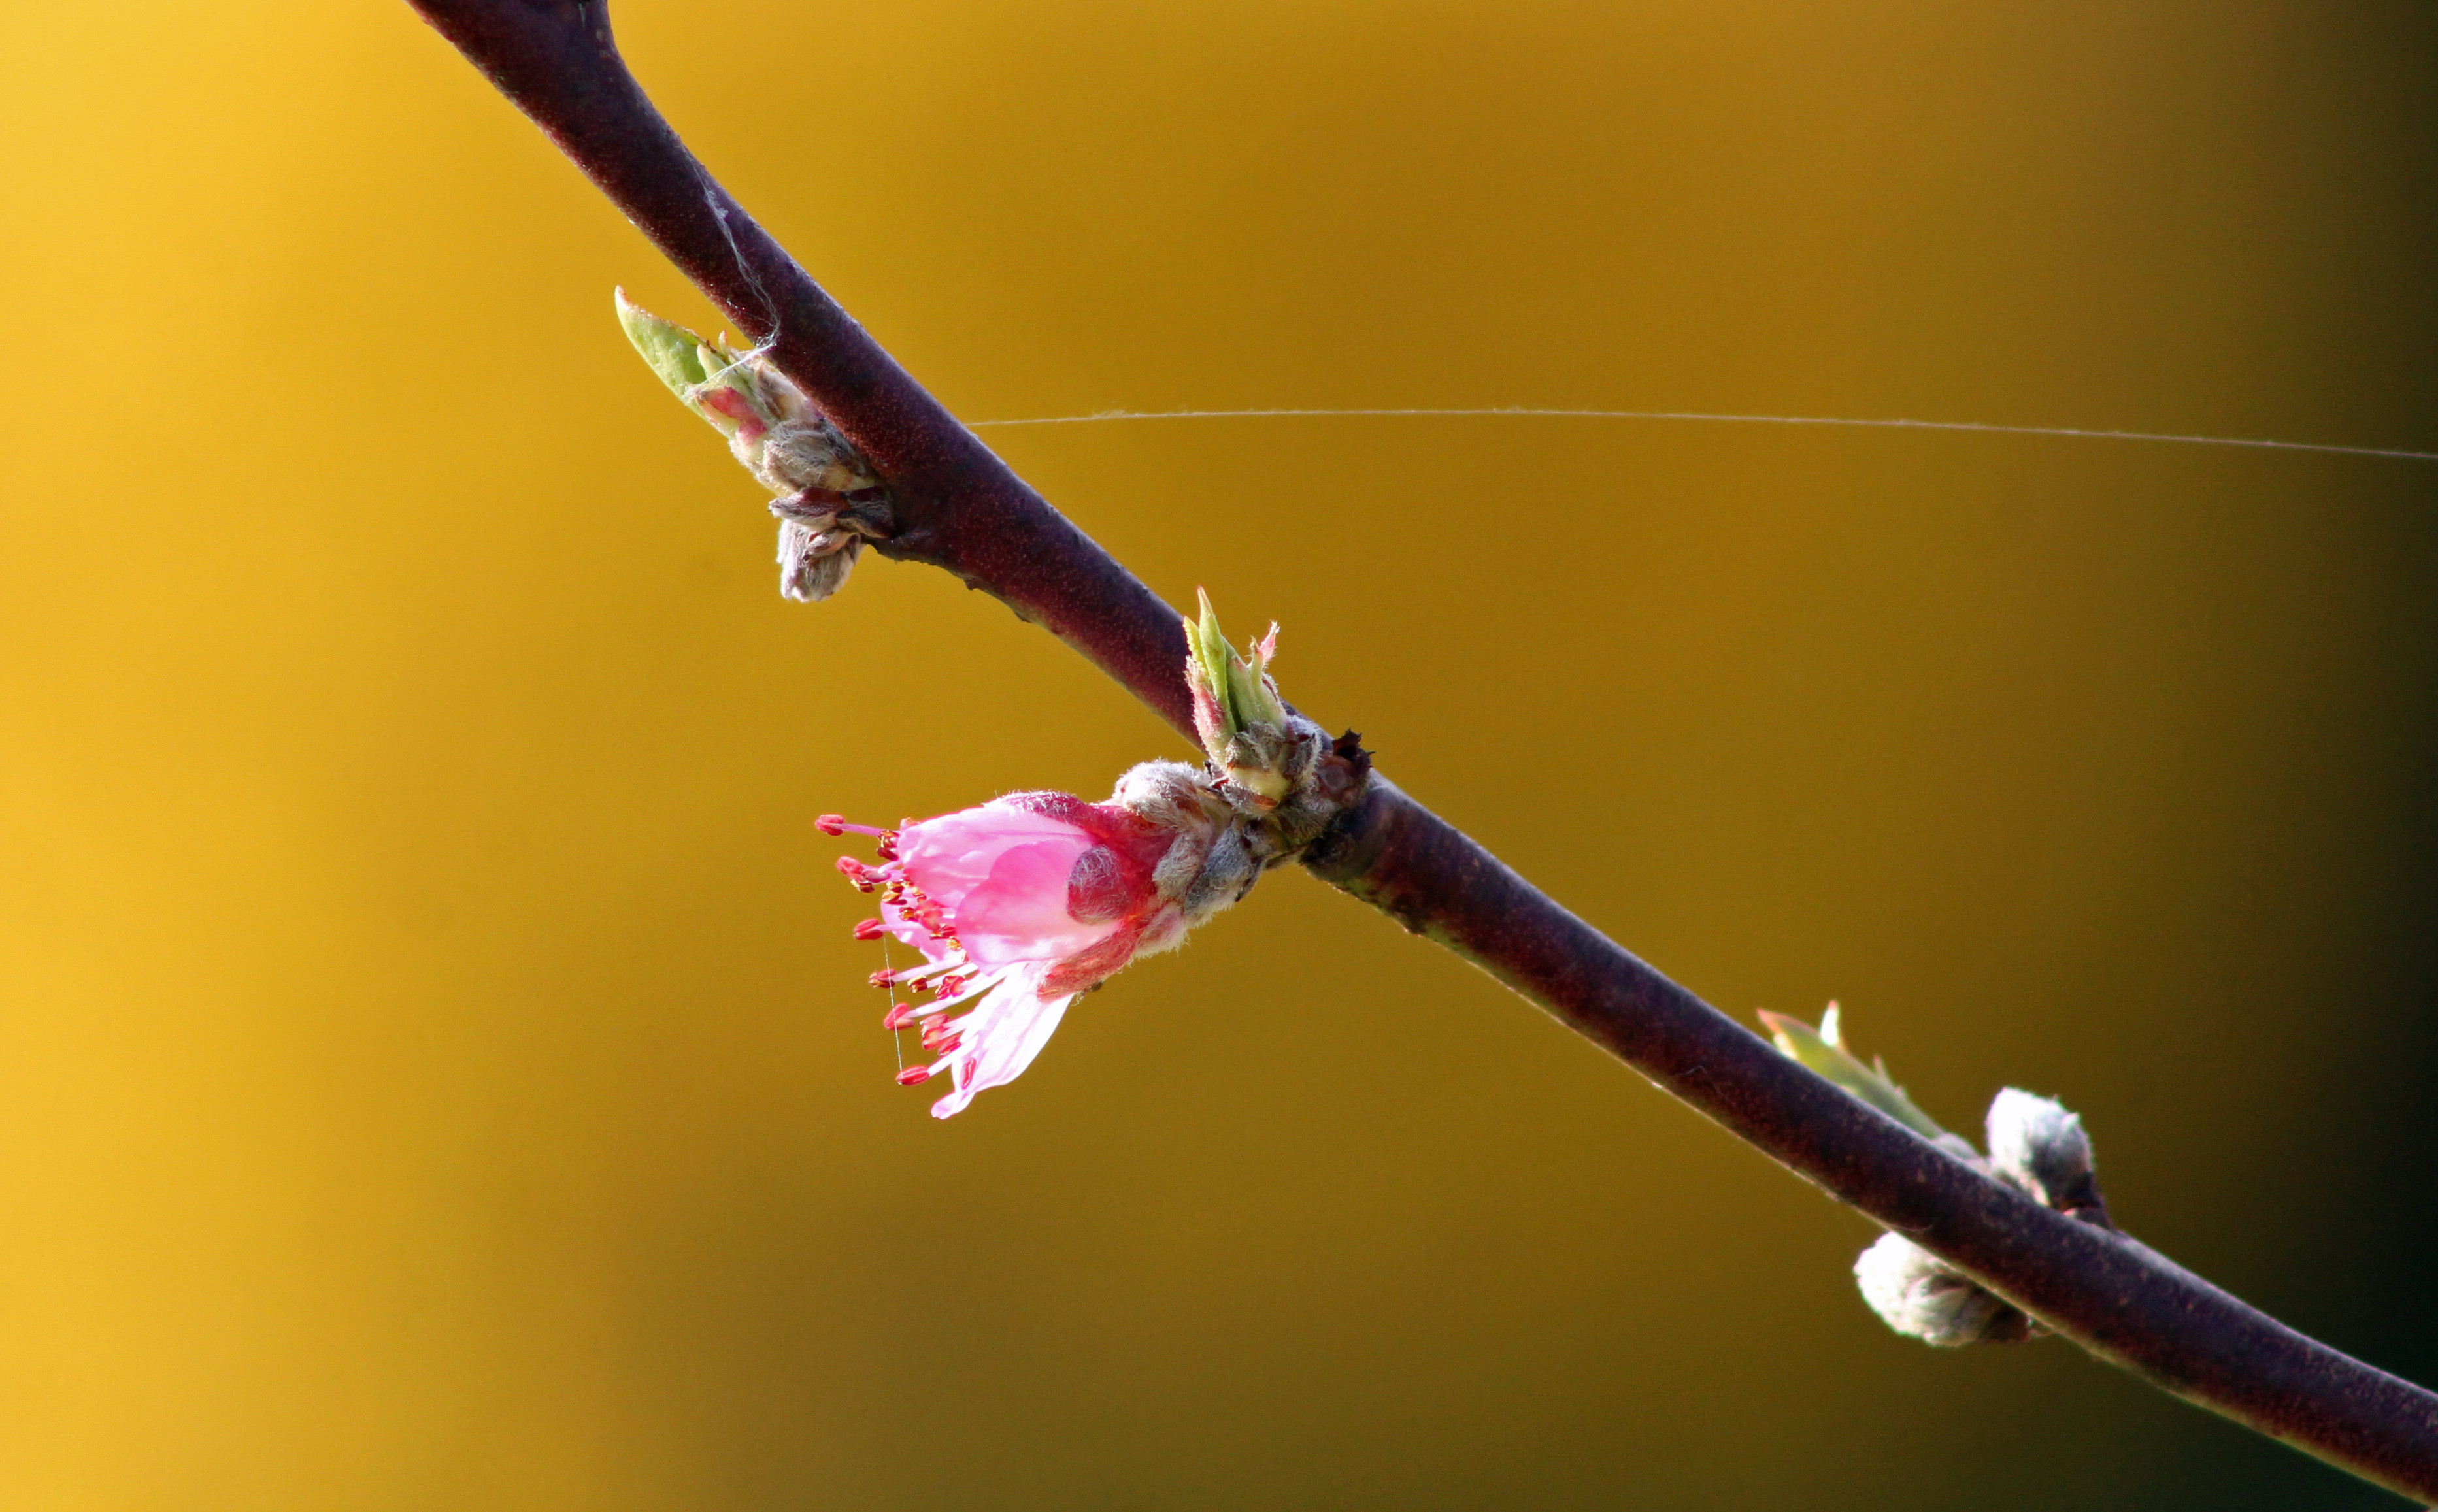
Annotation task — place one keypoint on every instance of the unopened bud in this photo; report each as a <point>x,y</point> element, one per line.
<point>1922,1297</point>
<point>740,393</point>
<point>813,563</point>
<point>776,435</point>
<point>2036,1143</point>
<point>1274,767</point>
<point>1171,794</point>
<point>1233,698</point>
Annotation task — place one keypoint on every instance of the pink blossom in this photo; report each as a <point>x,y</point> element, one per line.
<point>1024,904</point>
<point>1018,907</point>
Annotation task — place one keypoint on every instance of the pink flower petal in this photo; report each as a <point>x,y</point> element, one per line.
<point>1001,1037</point>
<point>947,855</point>
<point>1020,911</point>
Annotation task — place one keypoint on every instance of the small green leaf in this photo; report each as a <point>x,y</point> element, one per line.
<point>672,351</point>
<point>728,389</point>
<point>1210,648</point>
<point>1824,1051</point>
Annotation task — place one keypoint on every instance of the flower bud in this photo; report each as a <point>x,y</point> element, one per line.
<point>2036,1143</point>
<point>1922,1297</point>
<point>1277,770</point>
<point>831,500</point>
<point>740,393</point>
<point>1237,711</point>
<point>814,562</point>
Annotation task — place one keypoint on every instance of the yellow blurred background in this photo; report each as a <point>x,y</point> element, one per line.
<point>434,1069</point>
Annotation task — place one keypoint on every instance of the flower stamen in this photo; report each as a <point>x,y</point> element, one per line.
<point>836,824</point>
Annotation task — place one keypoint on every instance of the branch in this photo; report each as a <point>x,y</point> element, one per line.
<point>958,507</point>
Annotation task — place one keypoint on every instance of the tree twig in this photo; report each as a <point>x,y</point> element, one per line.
<point>957,507</point>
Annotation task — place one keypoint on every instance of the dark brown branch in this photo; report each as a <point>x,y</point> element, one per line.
<point>958,507</point>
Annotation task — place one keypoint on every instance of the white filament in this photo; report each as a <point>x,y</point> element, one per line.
<point>1978,426</point>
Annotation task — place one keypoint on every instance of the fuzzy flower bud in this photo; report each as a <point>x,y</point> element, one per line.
<point>1913,1291</point>
<point>1922,1297</point>
<point>831,501</point>
<point>2036,1143</point>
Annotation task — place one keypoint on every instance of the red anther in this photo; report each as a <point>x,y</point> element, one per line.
<point>831,824</point>
<point>870,930</point>
<point>914,1076</point>
<point>898,1016</point>
<point>882,978</point>
<point>888,846</point>
<point>948,1046</point>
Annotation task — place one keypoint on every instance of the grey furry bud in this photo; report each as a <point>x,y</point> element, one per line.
<point>1922,1297</point>
<point>803,453</point>
<point>2036,1143</point>
<point>1170,794</point>
<point>813,563</point>
<point>1229,871</point>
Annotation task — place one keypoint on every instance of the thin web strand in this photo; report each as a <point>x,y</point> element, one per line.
<point>1980,427</point>
<point>896,1032</point>
<point>711,199</point>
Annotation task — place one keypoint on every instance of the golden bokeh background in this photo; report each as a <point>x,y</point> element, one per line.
<point>434,1069</point>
